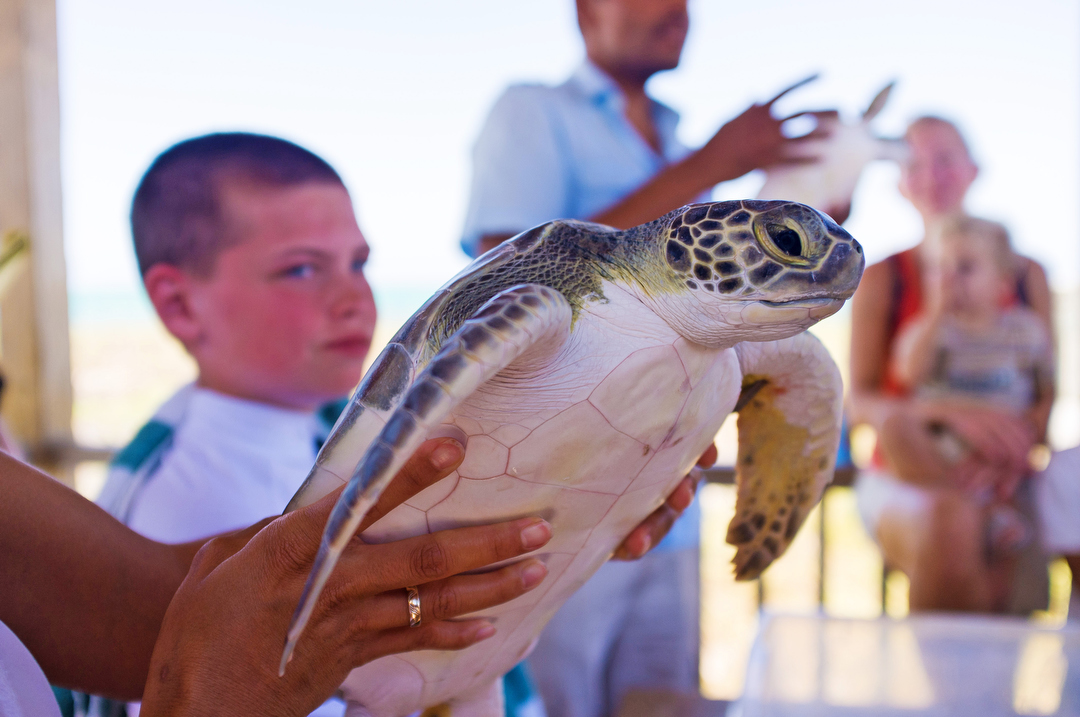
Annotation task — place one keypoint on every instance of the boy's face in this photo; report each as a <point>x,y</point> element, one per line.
<point>971,278</point>
<point>286,317</point>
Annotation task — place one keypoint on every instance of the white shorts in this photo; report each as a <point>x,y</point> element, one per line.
<point>1056,493</point>
<point>876,490</point>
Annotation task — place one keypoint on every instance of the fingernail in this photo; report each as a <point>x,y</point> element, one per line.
<point>645,545</point>
<point>682,497</point>
<point>446,455</point>
<point>535,534</point>
<point>533,573</point>
<point>483,632</point>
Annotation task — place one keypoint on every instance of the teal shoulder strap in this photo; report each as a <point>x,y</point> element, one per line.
<point>138,460</point>
<point>150,438</point>
<point>328,414</point>
<point>520,694</point>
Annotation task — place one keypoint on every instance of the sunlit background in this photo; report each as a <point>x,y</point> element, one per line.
<point>393,94</point>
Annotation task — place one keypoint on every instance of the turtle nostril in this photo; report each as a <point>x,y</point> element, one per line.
<point>858,246</point>
<point>787,241</point>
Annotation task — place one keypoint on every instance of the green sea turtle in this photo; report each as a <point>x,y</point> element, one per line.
<point>585,369</point>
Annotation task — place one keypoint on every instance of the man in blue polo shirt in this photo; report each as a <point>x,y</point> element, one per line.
<point>597,147</point>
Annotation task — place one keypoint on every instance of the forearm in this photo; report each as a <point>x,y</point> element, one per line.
<point>84,593</point>
<point>670,189</point>
<point>750,141</point>
<point>909,449</point>
<point>872,408</point>
<point>674,186</point>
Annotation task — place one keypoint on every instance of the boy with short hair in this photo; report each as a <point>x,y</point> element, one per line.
<point>252,257</point>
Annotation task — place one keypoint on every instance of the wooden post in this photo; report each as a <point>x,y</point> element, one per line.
<point>34,350</point>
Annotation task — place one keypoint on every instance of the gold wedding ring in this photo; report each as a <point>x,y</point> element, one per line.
<point>414,606</point>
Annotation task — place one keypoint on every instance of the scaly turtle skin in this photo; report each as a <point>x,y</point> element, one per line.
<point>586,369</point>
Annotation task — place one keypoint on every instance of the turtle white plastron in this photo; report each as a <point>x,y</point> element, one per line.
<point>586,369</point>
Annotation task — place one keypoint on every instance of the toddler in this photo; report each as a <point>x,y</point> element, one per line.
<point>973,343</point>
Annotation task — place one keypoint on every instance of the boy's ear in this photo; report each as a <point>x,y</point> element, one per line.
<point>169,288</point>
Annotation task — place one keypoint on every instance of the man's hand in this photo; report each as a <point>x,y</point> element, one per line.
<point>653,529</point>
<point>222,635</point>
<point>755,140</point>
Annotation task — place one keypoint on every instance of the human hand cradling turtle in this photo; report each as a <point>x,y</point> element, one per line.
<point>221,637</point>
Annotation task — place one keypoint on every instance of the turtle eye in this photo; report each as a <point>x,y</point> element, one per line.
<point>786,239</point>
<point>785,232</point>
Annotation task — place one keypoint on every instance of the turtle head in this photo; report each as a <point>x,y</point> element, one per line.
<point>749,270</point>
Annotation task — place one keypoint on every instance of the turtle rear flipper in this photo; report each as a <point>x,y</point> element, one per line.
<point>525,319</point>
<point>789,430</point>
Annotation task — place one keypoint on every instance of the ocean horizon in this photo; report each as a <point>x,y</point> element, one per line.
<point>111,307</point>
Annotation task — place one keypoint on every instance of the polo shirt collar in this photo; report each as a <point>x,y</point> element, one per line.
<point>595,84</point>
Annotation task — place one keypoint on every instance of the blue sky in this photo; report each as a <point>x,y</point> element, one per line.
<point>393,94</point>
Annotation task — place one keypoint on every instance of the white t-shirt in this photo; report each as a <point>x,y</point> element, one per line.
<point>24,691</point>
<point>231,463</point>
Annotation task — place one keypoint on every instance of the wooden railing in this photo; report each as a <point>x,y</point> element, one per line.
<point>725,475</point>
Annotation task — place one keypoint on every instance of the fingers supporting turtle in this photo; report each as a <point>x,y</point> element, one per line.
<point>435,459</point>
<point>443,599</point>
<point>656,526</point>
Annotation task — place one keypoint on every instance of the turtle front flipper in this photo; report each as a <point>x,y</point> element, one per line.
<point>529,320</point>
<point>789,430</point>
<point>380,392</point>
